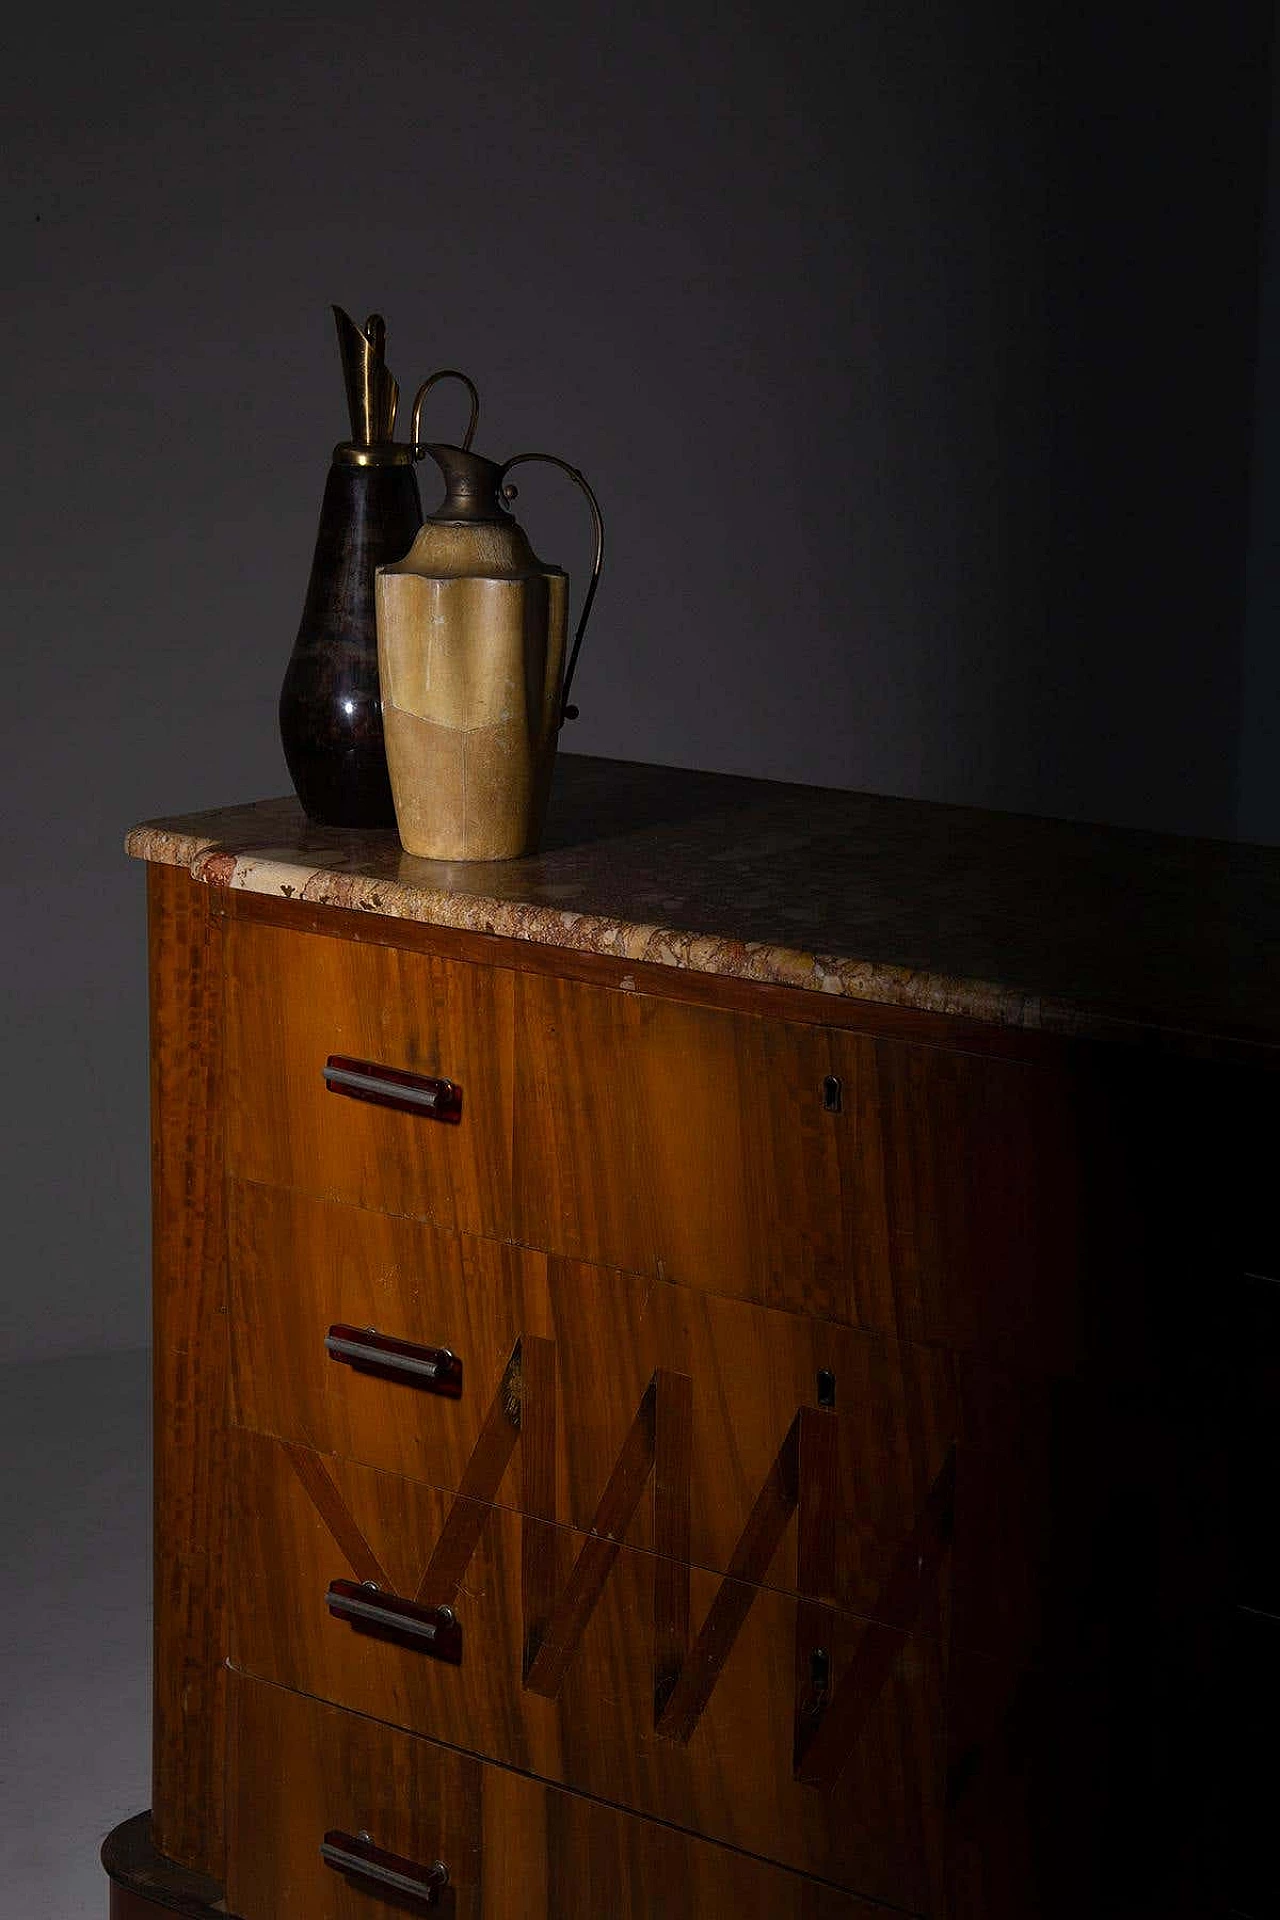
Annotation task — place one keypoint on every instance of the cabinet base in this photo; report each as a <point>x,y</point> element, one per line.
<point>144,1883</point>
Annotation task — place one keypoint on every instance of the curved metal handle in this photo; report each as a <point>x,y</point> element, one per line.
<point>445,373</point>
<point>597,520</point>
<point>355,1853</point>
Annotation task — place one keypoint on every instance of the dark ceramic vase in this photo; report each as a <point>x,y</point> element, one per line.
<point>330,703</point>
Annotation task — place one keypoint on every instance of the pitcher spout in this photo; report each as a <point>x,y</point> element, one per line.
<point>473,485</point>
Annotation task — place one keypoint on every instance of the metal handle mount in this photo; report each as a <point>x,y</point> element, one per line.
<point>394,1087</point>
<point>597,522</point>
<point>368,1351</point>
<point>355,1854</point>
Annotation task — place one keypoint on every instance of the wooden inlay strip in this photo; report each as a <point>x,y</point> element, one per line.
<point>916,1567</point>
<point>673,1439</point>
<point>538,1471</point>
<point>332,1508</point>
<point>591,1569</point>
<point>775,1504</point>
<point>816,1569</point>
<point>819,1500</point>
<point>477,1490</point>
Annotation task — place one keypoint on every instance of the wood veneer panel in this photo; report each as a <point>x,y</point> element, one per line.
<point>516,1850</point>
<point>300,1265</point>
<point>939,1202</point>
<point>551,1855</point>
<point>688,1143</point>
<point>969,1171</point>
<point>299,1769</point>
<point>190,1370</point>
<point>874,1828</point>
<point>294,1000</point>
<point>797,1005</point>
<point>1053,1477</point>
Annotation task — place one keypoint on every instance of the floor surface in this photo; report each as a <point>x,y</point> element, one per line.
<point>75,1622</point>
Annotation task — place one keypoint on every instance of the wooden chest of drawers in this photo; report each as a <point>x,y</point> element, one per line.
<point>741,1451</point>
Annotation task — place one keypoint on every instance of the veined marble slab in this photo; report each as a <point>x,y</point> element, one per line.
<point>1004,918</point>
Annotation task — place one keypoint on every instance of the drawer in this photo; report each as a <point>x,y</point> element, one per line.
<point>901,1189</point>
<point>789,1730</point>
<point>904,1189</point>
<point>298,1771</point>
<point>514,1849</point>
<point>565,1367</point>
<point>296,1001</point>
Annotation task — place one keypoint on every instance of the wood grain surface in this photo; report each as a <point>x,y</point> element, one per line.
<point>300,1265</point>
<point>724,1766</point>
<point>1049,1473</point>
<point>691,1144</point>
<point>515,1848</point>
<point>189,1370</point>
<point>291,1002</point>
<point>764,1000</point>
<point>837,1478</point>
<point>697,1147</point>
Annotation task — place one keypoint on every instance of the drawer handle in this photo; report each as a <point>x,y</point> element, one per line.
<point>433,1630</point>
<point>356,1854</point>
<point>369,1351</point>
<point>393,1087</point>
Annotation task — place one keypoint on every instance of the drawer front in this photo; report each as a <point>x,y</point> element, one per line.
<point>900,1188</point>
<point>689,1143</point>
<point>797,1453</point>
<point>296,1002</point>
<point>897,1188</point>
<point>786,1729</point>
<point>514,1849</point>
<point>565,1369</point>
<point>299,1771</point>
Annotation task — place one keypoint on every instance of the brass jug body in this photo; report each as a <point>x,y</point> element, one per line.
<point>473,663</point>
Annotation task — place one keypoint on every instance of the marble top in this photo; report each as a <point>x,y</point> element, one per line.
<point>1036,924</point>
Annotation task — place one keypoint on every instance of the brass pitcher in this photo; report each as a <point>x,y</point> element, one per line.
<point>472,663</point>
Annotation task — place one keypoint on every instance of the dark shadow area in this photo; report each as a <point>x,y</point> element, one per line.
<point>592,801</point>
<point>1158,128</point>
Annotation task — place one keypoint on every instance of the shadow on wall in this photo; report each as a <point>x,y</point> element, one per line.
<point>908,346</point>
<point>911,356</point>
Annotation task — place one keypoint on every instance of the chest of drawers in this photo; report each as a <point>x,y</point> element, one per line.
<point>659,1424</point>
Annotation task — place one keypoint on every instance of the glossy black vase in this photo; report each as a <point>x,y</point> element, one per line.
<point>330,703</point>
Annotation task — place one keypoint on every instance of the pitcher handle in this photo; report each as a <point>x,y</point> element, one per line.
<point>445,373</point>
<point>597,521</point>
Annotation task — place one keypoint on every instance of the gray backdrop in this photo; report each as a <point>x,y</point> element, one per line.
<point>909,346</point>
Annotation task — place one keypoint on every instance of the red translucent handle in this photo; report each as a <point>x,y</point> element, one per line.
<point>355,1854</point>
<point>432,1630</point>
<point>394,1087</point>
<point>435,1369</point>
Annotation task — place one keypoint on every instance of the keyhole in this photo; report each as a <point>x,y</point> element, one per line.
<point>832,1094</point>
<point>819,1670</point>
<point>826,1388</point>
